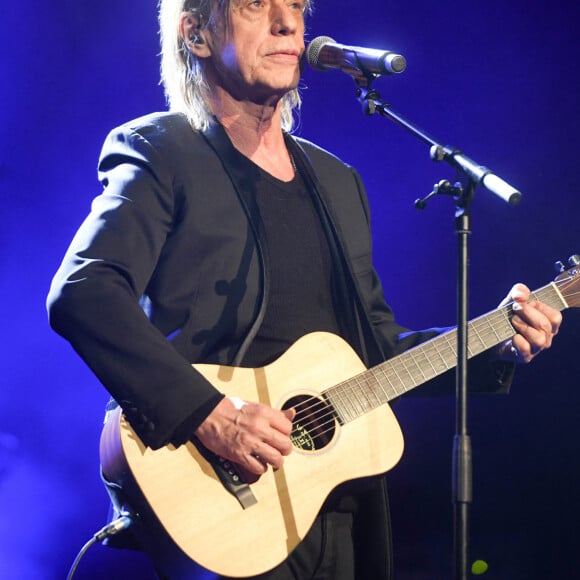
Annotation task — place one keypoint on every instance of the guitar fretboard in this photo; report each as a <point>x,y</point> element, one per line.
<point>387,381</point>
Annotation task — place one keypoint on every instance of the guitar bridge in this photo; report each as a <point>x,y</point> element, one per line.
<point>230,478</point>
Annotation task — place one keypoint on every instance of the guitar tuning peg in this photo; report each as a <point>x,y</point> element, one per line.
<point>559,266</point>
<point>574,260</point>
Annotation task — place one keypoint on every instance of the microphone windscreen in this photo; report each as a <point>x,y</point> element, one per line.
<point>313,51</point>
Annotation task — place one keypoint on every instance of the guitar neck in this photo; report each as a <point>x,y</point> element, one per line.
<point>401,374</point>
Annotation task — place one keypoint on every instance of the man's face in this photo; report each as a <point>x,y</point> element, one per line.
<point>259,59</point>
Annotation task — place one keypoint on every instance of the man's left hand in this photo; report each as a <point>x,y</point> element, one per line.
<point>535,323</point>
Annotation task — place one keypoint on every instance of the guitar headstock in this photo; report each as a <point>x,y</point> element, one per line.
<point>568,282</point>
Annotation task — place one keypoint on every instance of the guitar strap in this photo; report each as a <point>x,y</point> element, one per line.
<point>244,184</point>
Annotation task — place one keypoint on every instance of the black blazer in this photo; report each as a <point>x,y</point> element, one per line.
<point>168,269</point>
<point>175,224</point>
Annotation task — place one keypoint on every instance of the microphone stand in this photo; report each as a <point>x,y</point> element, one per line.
<point>470,174</point>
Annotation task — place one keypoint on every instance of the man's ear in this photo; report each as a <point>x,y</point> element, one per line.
<point>193,36</point>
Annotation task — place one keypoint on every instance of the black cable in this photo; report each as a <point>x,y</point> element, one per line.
<point>116,526</point>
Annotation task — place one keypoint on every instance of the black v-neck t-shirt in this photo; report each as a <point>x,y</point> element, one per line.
<point>300,296</point>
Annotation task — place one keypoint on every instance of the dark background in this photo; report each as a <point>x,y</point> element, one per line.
<point>498,79</point>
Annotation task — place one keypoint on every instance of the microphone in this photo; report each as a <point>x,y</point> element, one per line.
<point>324,53</point>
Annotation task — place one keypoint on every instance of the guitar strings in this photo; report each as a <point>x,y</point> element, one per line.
<point>321,416</point>
<point>355,395</point>
<point>347,391</point>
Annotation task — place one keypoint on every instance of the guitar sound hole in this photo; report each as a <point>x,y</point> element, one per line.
<point>314,425</point>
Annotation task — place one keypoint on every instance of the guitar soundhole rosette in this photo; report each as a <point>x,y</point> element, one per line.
<point>315,423</point>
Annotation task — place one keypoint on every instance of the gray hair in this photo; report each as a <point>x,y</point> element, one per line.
<point>182,74</point>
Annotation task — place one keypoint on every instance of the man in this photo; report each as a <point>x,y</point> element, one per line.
<point>219,238</point>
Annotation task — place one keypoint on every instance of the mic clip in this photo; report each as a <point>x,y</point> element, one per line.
<point>368,98</point>
<point>362,79</point>
<point>444,187</point>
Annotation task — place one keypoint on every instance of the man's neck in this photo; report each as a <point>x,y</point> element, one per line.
<point>256,131</point>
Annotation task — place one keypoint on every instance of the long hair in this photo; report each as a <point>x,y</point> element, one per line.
<point>182,74</point>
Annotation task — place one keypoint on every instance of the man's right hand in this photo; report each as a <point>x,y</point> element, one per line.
<point>252,435</point>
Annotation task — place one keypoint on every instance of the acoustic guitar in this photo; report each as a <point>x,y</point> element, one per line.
<point>344,429</point>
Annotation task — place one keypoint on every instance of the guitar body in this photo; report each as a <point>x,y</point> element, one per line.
<point>208,522</point>
<point>343,430</point>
